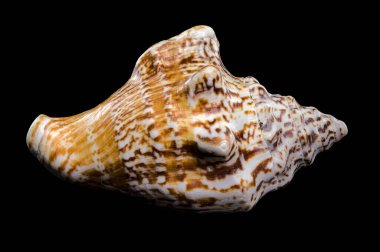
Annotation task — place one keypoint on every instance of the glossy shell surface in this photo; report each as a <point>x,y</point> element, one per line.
<point>184,132</point>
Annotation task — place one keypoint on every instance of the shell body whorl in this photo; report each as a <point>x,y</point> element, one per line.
<point>186,133</point>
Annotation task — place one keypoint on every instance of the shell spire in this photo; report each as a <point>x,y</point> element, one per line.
<point>184,132</point>
<point>293,134</point>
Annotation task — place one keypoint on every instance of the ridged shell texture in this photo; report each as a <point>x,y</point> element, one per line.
<point>184,132</point>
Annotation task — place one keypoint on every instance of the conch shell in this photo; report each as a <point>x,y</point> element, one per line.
<point>184,132</point>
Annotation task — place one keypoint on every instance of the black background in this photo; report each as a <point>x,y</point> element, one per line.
<point>67,59</point>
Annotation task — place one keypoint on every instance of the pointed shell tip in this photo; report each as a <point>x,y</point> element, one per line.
<point>344,128</point>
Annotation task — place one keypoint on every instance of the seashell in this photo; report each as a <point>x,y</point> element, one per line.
<point>184,132</point>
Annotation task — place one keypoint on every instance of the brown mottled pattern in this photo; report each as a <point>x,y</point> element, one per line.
<point>184,132</point>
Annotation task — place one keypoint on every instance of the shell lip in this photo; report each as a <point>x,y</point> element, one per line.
<point>35,132</point>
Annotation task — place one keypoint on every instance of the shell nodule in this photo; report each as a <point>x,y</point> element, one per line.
<point>184,132</point>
